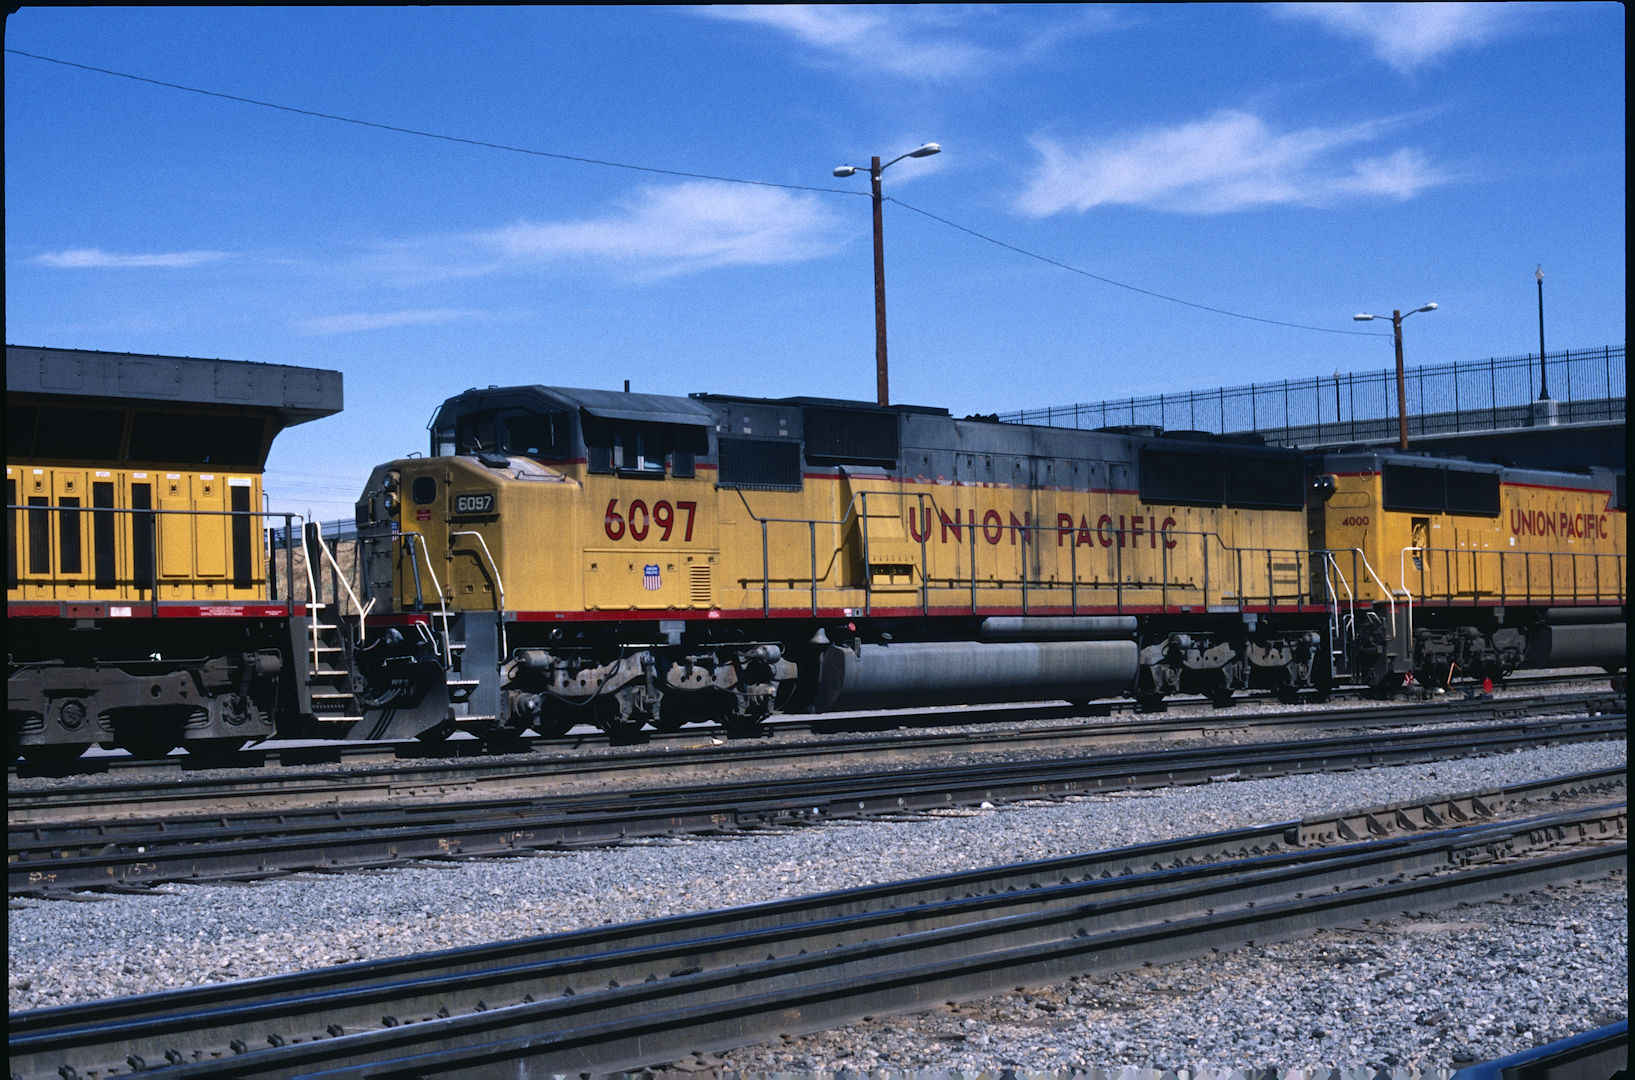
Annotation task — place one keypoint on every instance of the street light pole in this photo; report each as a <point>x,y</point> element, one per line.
<point>1543,372</point>
<point>1402,384</point>
<point>881,382</point>
<point>882,386</point>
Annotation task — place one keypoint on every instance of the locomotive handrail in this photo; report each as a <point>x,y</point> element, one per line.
<point>148,519</point>
<point>1329,563</point>
<point>499,586</point>
<point>1241,562</point>
<point>442,601</point>
<point>1390,596</point>
<point>812,524</point>
<point>340,576</point>
<point>1503,594</point>
<point>1402,577</point>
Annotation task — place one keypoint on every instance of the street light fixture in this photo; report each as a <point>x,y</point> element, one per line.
<point>1402,388</point>
<point>1543,372</point>
<point>875,169</point>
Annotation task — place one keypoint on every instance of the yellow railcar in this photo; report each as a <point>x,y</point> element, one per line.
<point>138,608</point>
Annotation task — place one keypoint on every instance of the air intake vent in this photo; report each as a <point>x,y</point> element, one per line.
<point>698,586</point>
<point>767,464</point>
<point>847,436</point>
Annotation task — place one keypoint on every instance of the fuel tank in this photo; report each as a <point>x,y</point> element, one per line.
<point>958,672</point>
<point>1056,627</point>
<point>1605,646</point>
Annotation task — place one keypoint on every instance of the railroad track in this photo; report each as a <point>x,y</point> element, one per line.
<point>53,859</point>
<point>700,756</point>
<point>623,997</point>
<point>586,739</point>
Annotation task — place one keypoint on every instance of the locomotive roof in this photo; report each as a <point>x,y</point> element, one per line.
<point>295,394</point>
<point>605,404</point>
<point>824,403</point>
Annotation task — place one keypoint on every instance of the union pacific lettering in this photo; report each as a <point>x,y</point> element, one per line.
<point>994,528</point>
<point>1559,523</point>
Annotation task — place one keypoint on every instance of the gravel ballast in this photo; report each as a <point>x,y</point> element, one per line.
<point>1420,993</point>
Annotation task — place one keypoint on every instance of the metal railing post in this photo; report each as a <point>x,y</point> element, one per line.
<point>766,575</point>
<point>811,531</point>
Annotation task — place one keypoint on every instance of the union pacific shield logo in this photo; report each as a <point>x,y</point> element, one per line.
<point>650,577</point>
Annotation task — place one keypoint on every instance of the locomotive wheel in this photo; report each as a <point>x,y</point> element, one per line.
<point>624,733</point>
<point>744,727</point>
<point>436,734</point>
<point>54,753</point>
<point>148,737</point>
<point>621,728</point>
<point>505,742</point>
<point>1388,686</point>
<point>225,747</point>
<point>552,729</point>
<point>1221,697</point>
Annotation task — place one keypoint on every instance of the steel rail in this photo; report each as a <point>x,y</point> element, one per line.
<point>648,997</point>
<point>439,779</point>
<point>1368,822</point>
<point>168,773</point>
<point>190,850</point>
<point>42,838</point>
<point>1602,1052</point>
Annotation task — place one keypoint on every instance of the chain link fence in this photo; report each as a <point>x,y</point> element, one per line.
<point>1584,385</point>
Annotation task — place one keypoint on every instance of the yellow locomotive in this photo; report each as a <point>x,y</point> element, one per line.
<point>567,556</point>
<point>627,559</point>
<point>1448,568</point>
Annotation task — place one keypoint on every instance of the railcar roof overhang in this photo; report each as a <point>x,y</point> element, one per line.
<point>293,395</point>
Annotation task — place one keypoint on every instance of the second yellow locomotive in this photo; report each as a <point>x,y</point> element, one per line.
<point>625,559</point>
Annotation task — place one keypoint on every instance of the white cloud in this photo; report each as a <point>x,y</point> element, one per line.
<point>1230,161</point>
<point>901,44</point>
<point>384,320</point>
<point>97,259</point>
<point>658,231</point>
<point>1408,35</point>
<point>923,42</point>
<point>662,231</point>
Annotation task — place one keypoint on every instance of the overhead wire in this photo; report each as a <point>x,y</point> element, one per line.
<point>417,131</point>
<point>484,144</point>
<point>1132,288</point>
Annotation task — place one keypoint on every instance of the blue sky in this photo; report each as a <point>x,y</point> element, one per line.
<point>1289,163</point>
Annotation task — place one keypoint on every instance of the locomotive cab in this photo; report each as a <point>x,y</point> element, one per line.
<point>544,519</point>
